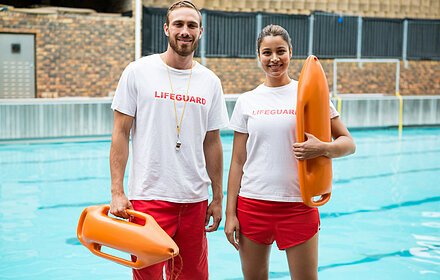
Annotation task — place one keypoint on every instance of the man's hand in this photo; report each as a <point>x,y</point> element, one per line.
<point>215,211</point>
<point>119,204</point>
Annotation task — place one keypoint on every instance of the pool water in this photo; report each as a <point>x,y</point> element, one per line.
<point>382,222</point>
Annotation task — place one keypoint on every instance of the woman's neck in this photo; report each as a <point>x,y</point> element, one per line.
<point>277,82</point>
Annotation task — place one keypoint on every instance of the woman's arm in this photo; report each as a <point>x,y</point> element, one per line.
<point>342,145</point>
<point>232,226</point>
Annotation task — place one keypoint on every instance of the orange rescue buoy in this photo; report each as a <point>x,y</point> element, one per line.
<point>149,243</point>
<point>313,116</point>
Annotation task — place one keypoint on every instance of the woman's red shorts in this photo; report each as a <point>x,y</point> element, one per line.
<point>287,223</point>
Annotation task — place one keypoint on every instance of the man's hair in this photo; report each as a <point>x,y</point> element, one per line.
<point>273,30</point>
<point>182,4</point>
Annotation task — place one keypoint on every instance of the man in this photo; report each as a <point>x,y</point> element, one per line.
<point>174,108</point>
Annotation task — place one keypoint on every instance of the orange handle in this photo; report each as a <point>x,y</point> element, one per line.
<point>321,201</point>
<point>97,251</point>
<point>138,215</point>
<point>324,198</point>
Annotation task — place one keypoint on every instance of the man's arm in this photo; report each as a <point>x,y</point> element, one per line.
<point>118,161</point>
<point>212,147</point>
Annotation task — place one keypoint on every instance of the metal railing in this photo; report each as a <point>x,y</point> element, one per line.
<point>32,120</point>
<point>326,35</point>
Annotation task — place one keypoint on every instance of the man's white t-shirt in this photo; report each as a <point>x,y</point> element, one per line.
<point>268,116</point>
<point>158,171</point>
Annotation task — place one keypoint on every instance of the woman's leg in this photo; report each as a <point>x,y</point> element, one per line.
<point>303,260</point>
<point>254,259</point>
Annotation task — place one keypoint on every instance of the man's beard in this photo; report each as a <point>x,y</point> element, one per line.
<point>183,50</point>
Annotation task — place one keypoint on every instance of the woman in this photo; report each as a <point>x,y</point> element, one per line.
<point>264,201</point>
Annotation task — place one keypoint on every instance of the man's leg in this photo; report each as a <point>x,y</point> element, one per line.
<point>154,272</point>
<point>193,246</point>
<point>166,216</point>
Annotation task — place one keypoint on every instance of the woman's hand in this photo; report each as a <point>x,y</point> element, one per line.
<point>311,148</point>
<point>232,230</point>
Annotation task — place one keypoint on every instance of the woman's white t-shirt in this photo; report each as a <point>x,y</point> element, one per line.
<point>268,116</point>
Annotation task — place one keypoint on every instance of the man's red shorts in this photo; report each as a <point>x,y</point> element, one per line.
<point>185,223</point>
<point>287,223</point>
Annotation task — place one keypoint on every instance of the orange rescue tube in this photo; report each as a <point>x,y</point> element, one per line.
<point>313,116</point>
<point>149,243</point>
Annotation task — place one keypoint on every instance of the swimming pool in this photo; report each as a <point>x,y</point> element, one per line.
<point>383,221</point>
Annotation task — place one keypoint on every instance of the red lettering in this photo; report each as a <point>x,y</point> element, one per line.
<point>180,97</point>
<point>274,112</point>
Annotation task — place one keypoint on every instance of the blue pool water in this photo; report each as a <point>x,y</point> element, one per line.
<point>383,221</point>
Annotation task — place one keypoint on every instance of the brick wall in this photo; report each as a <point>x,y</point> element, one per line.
<point>420,78</point>
<point>84,55</point>
<point>76,55</point>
